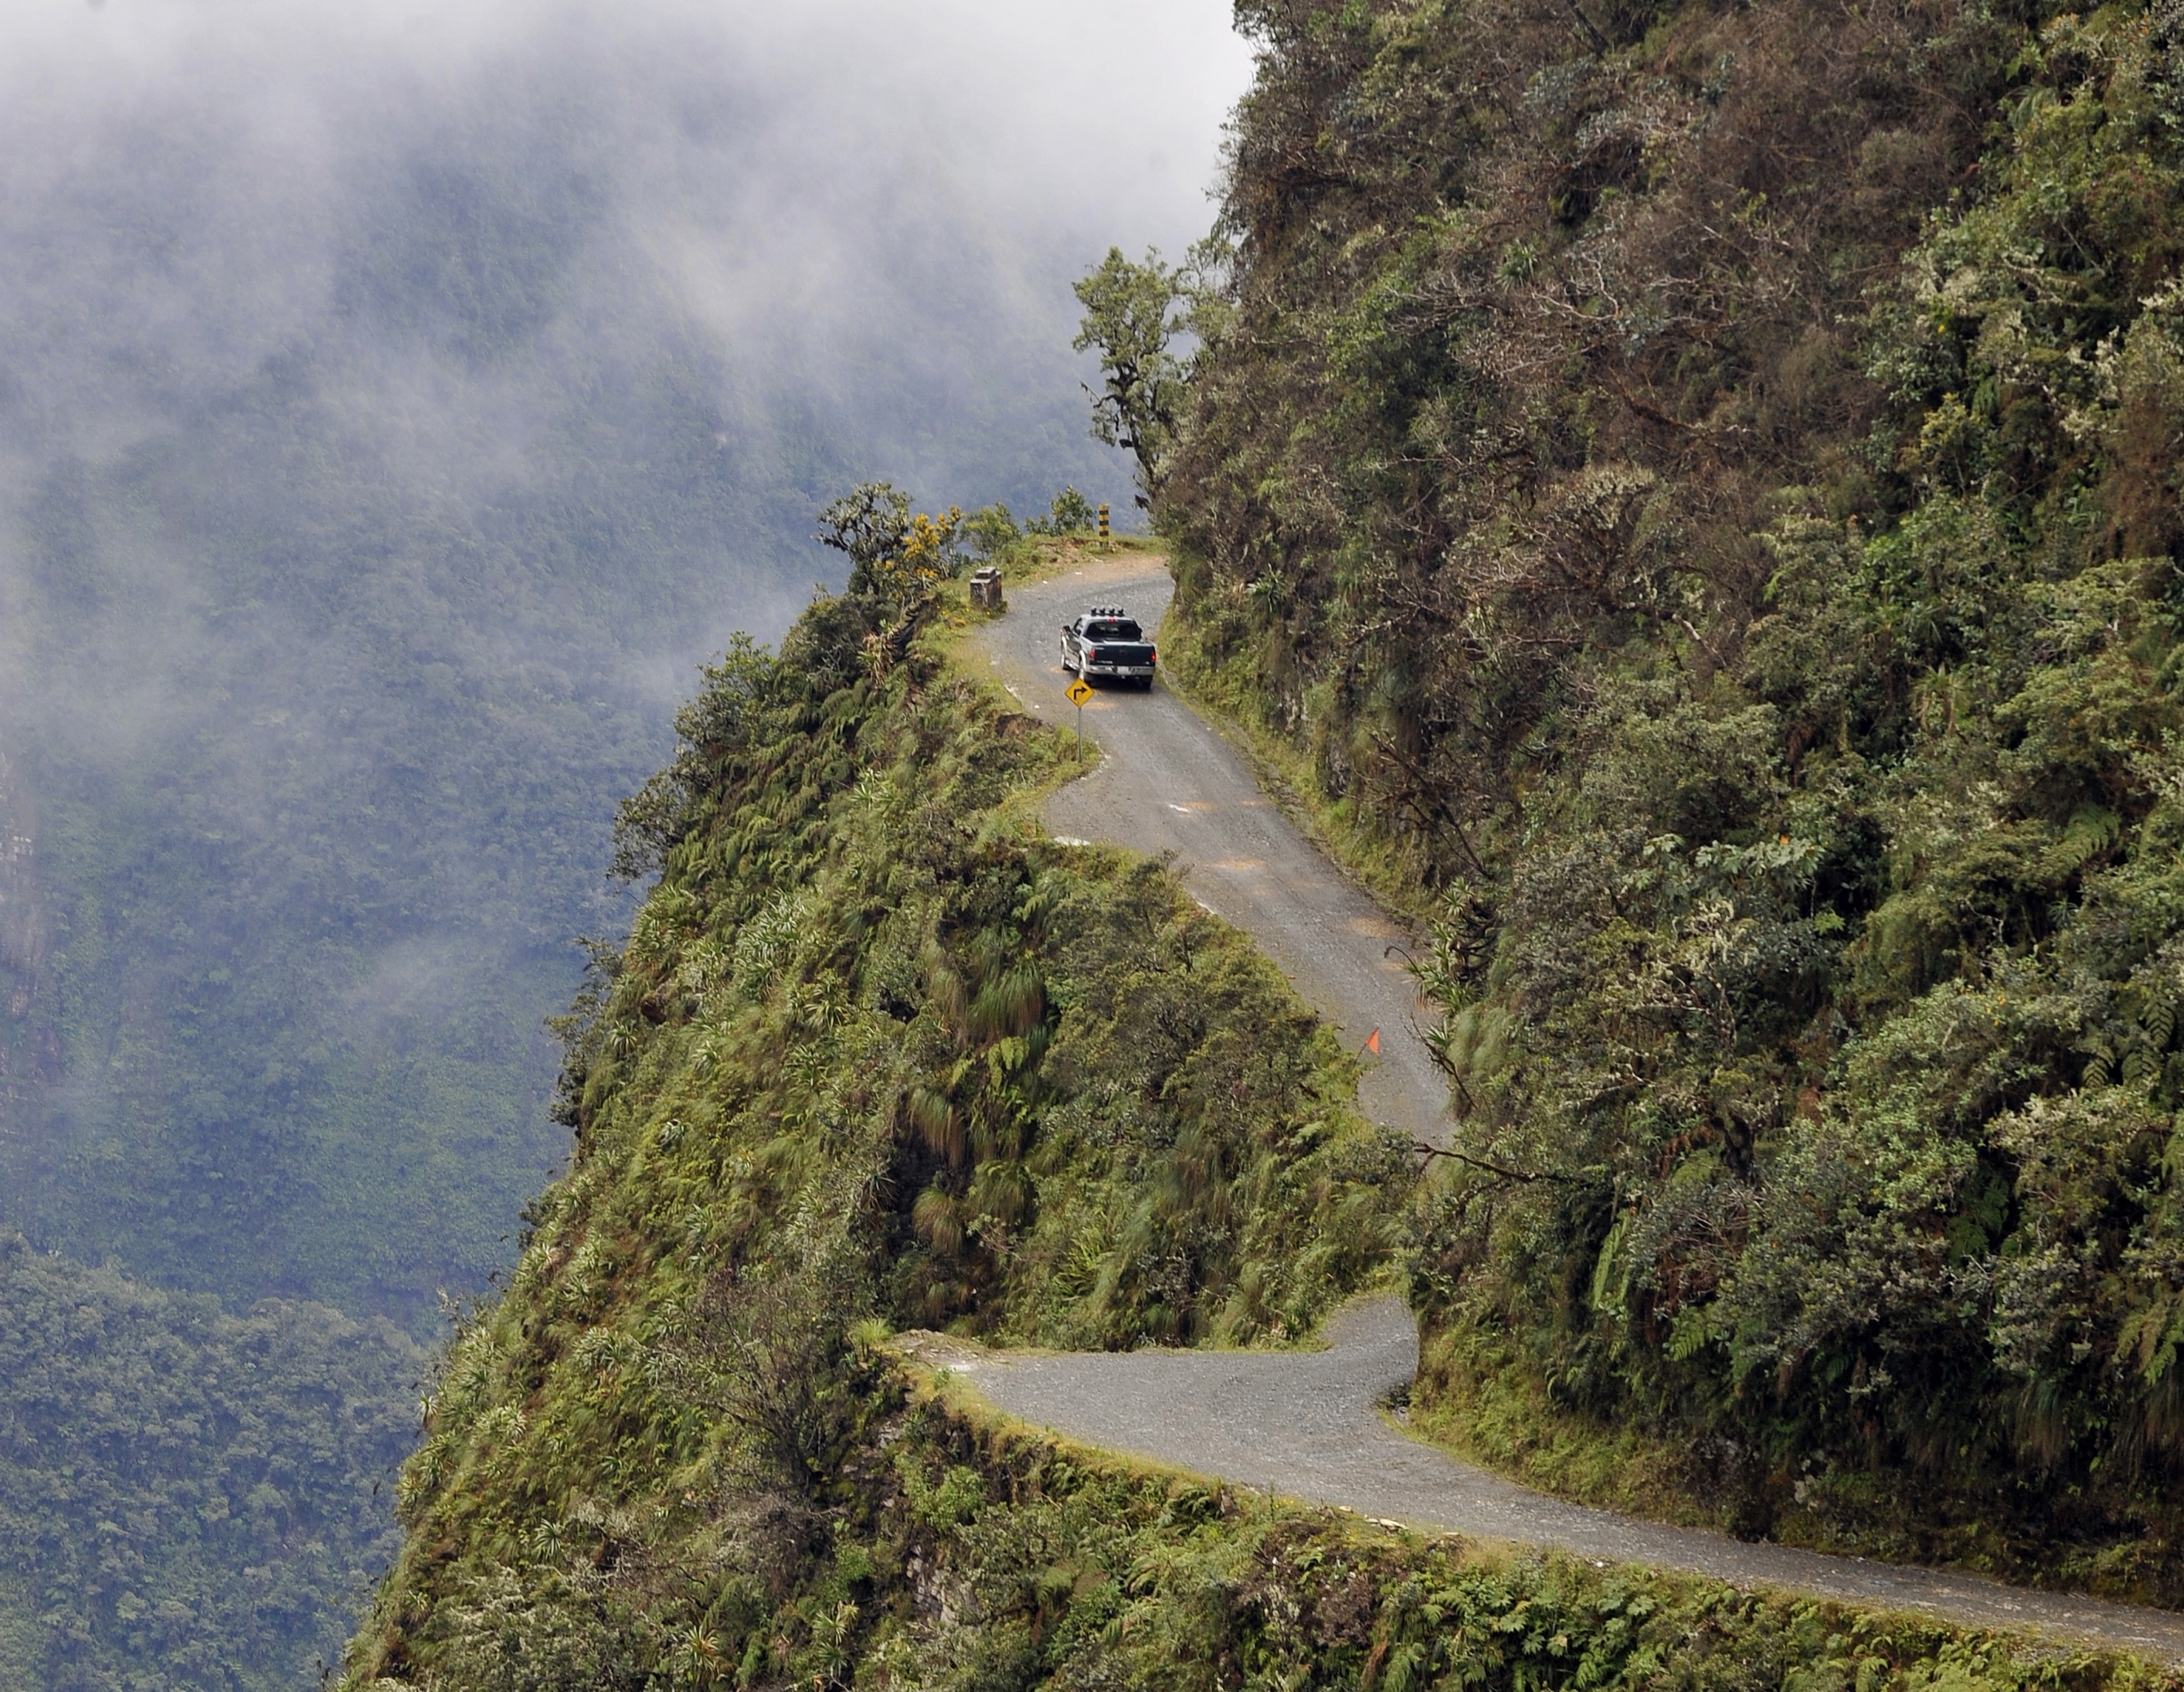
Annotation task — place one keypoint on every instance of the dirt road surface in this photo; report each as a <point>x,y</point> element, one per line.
<point>1169,783</point>
<point>1310,1425</point>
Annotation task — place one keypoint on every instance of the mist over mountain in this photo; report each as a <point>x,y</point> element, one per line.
<point>393,411</point>
<point>396,404</point>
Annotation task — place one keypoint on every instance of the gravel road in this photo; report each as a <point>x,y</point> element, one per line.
<point>1308,1425</point>
<point>1169,783</point>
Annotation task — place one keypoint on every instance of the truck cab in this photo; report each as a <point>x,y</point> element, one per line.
<point>1106,644</point>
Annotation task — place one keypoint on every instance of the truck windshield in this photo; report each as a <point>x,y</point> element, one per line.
<point>1111,628</point>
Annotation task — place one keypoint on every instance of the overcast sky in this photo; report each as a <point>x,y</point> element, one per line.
<point>814,184</point>
<point>1084,116</point>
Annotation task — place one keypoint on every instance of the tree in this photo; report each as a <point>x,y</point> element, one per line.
<point>869,523</point>
<point>991,531</point>
<point>769,1353</point>
<point>1071,514</point>
<point>892,555</point>
<point>929,554</point>
<point>1132,312</point>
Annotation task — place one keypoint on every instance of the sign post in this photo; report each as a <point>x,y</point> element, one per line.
<point>1080,690</point>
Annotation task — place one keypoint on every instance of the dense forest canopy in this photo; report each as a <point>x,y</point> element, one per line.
<point>1698,485</point>
<point>189,1497</point>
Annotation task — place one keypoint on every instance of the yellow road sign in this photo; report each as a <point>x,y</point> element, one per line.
<point>1080,690</point>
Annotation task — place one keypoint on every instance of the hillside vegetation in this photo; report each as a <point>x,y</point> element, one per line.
<point>1690,489</point>
<point>876,1054</point>
<point>1696,488</point>
<point>949,1556</point>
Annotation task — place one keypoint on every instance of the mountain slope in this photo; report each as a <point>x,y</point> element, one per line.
<point>874,1047</point>
<point>879,1052</point>
<point>1696,488</point>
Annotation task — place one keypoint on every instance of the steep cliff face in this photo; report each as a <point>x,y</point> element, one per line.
<point>876,1053</point>
<point>1697,486</point>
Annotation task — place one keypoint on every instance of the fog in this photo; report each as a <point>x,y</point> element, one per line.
<point>396,403</point>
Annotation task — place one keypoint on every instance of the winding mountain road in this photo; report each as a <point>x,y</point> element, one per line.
<point>1308,1425</point>
<point>1170,783</point>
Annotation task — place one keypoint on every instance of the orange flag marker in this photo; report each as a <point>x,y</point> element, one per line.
<point>1372,1042</point>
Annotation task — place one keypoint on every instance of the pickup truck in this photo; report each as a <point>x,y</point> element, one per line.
<point>1106,642</point>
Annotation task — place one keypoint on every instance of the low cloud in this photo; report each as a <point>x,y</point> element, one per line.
<point>396,403</point>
